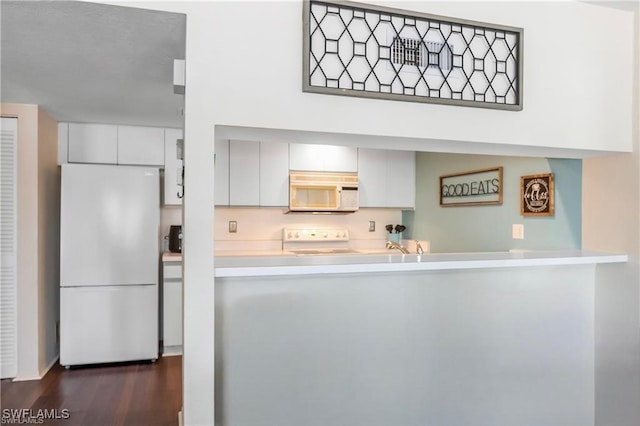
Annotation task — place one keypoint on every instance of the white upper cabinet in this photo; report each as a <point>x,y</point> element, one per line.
<point>92,143</point>
<point>386,178</point>
<point>221,173</point>
<point>401,179</point>
<point>112,144</point>
<point>143,146</point>
<point>274,174</point>
<point>172,167</point>
<point>244,173</point>
<point>258,174</point>
<point>323,158</point>
<point>372,177</point>
<point>63,143</point>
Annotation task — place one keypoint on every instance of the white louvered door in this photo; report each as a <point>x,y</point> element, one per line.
<point>8,248</point>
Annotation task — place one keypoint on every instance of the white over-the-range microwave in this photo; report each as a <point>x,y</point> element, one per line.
<point>323,192</point>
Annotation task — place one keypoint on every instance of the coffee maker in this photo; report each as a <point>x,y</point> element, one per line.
<point>175,239</point>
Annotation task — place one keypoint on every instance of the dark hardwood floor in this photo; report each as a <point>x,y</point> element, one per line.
<point>136,394</point>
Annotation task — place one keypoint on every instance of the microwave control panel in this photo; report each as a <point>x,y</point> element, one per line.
<point>315,234</point>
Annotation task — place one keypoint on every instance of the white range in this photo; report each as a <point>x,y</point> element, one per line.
<point>316,240</point>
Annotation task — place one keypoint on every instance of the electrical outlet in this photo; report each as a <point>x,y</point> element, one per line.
<point>517,231</point>
<point>372,226</point>
<point>233,226</point>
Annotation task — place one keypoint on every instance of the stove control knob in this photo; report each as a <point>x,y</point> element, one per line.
<point>289,236</point>
<point>297,235</point>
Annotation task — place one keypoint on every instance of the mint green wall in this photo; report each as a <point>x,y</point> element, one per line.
<point>488,228</point>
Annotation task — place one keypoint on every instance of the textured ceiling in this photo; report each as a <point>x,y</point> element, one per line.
<point>88,62</point>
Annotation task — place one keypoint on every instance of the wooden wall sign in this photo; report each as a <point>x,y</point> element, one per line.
<point>536,195</point>
<point>474,188</point>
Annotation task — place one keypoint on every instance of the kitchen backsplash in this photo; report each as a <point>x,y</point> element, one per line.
<point>261,228</point>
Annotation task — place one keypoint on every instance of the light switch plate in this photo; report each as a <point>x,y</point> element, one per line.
<point>233,226</point>
<point>517,231</point>
<point>372,226</point>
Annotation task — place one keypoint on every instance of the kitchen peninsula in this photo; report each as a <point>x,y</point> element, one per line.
<point>406,339</point>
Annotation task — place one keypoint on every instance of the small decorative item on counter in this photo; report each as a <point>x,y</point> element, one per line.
<point>395,236</point>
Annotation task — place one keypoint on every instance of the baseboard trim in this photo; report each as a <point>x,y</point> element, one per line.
<point>172,350</point>
<point>51,364</point>
<point>41,374</point>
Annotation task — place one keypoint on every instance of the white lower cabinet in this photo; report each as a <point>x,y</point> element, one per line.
<point>172,308</point>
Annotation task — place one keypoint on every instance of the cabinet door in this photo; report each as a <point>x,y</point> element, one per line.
<point>93,143</point>
<point>340,158</point>
<point>143,146</point>
<point>172,305</point>
<point>306,157</point>
<point>323,158</point>
<point>244,173</point>
<point>172,167</point>
<point>401,179</point>
<point>221,173</point>
<point>372,177</point>
<point>63,143</point>
<point>274,174</point>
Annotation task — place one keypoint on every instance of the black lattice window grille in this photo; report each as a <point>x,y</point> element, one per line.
<point>362,50</point>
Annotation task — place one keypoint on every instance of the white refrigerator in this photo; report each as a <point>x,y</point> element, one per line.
<point>109,253</point>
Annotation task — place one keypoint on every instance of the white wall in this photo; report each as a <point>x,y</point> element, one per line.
<point>573,99</point>
<point>48,240</point>
<point>611,222</point>
<point>500,347</point>
<point>562,58</point>
<point>489,228</point>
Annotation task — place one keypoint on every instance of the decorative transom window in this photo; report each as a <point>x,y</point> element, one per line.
<point>363,50</point>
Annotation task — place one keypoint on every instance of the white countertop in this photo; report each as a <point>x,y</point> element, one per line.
<point>177,257</point>
<point>171,257</point>
<point>246,266</point>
